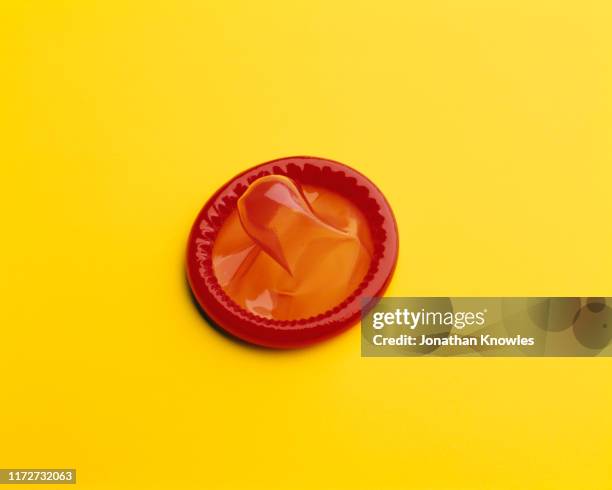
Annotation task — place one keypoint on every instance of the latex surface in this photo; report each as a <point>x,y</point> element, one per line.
<point>289,252</point>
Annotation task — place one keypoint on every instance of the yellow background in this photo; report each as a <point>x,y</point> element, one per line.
<point>487,125</point>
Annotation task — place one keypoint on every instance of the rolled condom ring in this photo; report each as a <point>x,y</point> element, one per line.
<point>289,252</point>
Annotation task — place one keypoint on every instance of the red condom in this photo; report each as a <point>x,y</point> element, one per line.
<point>289,252</point>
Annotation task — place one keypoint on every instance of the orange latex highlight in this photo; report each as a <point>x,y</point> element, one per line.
<point>289,252</point>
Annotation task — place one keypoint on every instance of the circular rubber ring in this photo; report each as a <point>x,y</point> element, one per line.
<point>232,318</point>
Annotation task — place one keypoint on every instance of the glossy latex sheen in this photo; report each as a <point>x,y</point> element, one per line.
<point>289,252</point>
